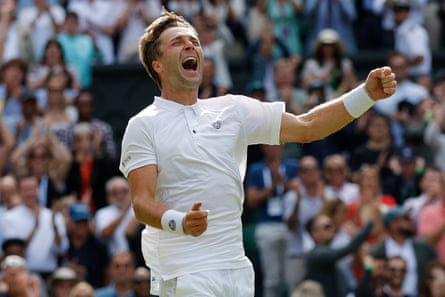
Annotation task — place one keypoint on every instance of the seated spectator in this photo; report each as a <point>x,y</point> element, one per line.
<point>61,282</point>
<point>433,284</point>
<point>261,57</point>
<point>431,224</point>
<point>400,241</point>
<point>397,268</point>
<point>209,86</point>
<point>13,246</point>
<point>86,254</point>
<point>405,182</point>
<point>370,194</point>
<point>13,74</point>
<point>45,157</point>
<point>330,65</point>
<point>374,279</point>
<point>52,61</point>
<point>43,229</point>
<point>121,276</point>
<point>338,184</point>
<point>85,104</point>
<point>112,220</point>
<point>322,261</point>
<point>44,20</point>
<point>17,280</point>
<point>31,117</point>
<point>90,168</point>
<point>430,192</point>
<point>378,150</point>
<point>435,134</point>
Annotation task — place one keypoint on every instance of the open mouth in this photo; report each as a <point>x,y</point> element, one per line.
<point>190,63</point>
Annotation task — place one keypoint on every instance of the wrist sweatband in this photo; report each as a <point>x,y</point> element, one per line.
<point>172,221</point>
<point>357,101</point>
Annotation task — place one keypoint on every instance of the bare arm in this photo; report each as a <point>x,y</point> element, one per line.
<point>7,146</point>
<point>149,211</point>
<point>331,116</point>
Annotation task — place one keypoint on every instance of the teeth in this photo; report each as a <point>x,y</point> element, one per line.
<point>190,60</point>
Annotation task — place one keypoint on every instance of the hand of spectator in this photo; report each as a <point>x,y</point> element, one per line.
<point>33,287</point>
<point>381,83</point>
<point>195,221</point>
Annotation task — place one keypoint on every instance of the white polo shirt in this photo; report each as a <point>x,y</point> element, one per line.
<point>201,153</point>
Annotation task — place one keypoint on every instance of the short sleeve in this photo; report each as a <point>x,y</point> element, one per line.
<point>137,146</point>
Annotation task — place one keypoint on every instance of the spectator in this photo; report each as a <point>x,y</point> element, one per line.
<point>337,15</point>
<point>31,117</point>
<point>9,194</point>
<point>141,282</point>
<point>431,224</point>
<point>257,20</point>
<point>78,48</point>
<point>209,86</point>
<point>133,235</point>
<point>86,254</point>
<point>328,63</point>
<point>12,85</point>
<point>136,16</point>
<point>434,280</point>
<point>98,18</point>
<point>379,148</point>
<point>85,104</point>
<point>90,167</point>
<point>441,14</point>
<point>112,220</point>
<point>52,61</point>
<point>14,38</point>
<point>370,195</point>
<point>287,22</point>
<point>435,135</point>
<point>121,276</point>
<point>374,279</point>
<point>406,88</point>
<point>261,57</point>
<point>431,190</point>
<point>43,229</point>
<point>62,281</point>
<point>82,289</point>
<point>301,204</point>
<point>396,276</point>
<point>368,26</point>
<point>308,289</point>
<point>400,242</point>
<point>404,183</point>
<point>44,21</point>
<point>266,185</point>
<point>189,9</point>
<point>412,40</point>
<point>214,48</point>
<point>338,184</point>
<point>17,279</point>
<point>322,260</point>
<point>45,157</point>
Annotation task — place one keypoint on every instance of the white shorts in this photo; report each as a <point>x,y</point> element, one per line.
<point>215,283</point>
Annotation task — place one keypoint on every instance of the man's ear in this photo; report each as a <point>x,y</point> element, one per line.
<point>156,66</point>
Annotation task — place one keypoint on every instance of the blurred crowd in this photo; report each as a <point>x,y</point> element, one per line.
<point>359,213</point>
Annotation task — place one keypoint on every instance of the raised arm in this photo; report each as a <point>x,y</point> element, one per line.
<point>333,115</point>
<point>149,211</point>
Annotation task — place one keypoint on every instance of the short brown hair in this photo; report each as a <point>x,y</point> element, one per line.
<point>149,41</point>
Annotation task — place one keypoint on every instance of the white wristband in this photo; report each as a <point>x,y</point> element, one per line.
<point>357,101</point>
<point>172,221</point>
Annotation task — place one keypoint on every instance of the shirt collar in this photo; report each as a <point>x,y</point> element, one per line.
<point>174,106</point>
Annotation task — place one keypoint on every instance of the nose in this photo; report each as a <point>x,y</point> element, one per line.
<point>188,44</point>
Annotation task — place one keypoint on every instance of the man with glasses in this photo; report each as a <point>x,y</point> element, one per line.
<point>322,261</point>
<point>399,242</point>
